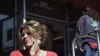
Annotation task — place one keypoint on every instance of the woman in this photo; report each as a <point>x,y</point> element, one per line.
<point>33,35</point>
<point>88,22</point>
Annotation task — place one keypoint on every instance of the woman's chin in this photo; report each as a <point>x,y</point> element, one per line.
<point>28,45</point>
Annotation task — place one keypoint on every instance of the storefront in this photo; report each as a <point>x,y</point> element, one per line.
<point>53,15</point>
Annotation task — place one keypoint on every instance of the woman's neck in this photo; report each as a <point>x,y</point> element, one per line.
<point>33,51</point>
<point>41,53</point>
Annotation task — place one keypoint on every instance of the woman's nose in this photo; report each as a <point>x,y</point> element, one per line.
<point>25,35</point>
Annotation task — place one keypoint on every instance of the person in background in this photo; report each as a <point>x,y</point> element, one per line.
<point>88,22</point>
<point>33,35</point>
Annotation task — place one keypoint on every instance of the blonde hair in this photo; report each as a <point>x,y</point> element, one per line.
<point>37,29</point>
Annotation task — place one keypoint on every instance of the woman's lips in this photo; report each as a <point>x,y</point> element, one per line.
<point>26,40</point>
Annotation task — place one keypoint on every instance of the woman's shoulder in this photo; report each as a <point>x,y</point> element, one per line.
<point>16,53</point>
<point>51,53</point>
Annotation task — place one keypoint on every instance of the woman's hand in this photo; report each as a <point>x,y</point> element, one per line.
<point>34,48</point>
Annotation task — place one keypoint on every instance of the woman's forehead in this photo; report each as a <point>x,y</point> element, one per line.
<point>25,30</point>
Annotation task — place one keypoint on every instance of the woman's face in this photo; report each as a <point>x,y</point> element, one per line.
<point>27,38</point>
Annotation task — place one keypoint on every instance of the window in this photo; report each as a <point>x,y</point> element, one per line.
<point>9,34</point>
